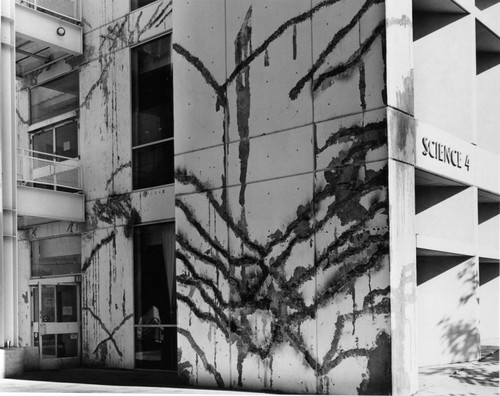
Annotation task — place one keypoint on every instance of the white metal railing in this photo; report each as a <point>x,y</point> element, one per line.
<point>38,169</point>
<point>70,10</point>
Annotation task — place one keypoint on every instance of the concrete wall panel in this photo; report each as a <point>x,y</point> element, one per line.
<point>489,229</point>
<point>107,310</point>
<point>435,55</point>
<point>272,156</point>
<point>352,298</point>
<point>399,38</point>
<point>23,294</point>
<point>203,283</point>
<point>99,13</point>
<point>125,30</point>
<point>402,245</point>
<point>401,134</point>
<point>200,68</point>
<point>488,118</point>
<point>207,165</point>
<point>268,50</point>
<point>348,67</point>
<point>436,213</point>
<point>154,204</point>
<point>112,211</point>
<point>351,140</point>
<point>489,297</point>
<point>291,227</point>
<point>105,88</point>
<point>447,309</point>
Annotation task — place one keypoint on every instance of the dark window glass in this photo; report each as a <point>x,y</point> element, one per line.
<point>135,4</point>
<point>67,140</point>
<point>155,301</point>
<point>54,97</point>
<point>44,143</point>
<point>66,303</point>
<point>64,137</point>
<point>67,345</point>
<point>152,115</point>
<point>153,165</point>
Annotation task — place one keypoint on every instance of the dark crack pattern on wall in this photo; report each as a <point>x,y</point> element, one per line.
<point>101,346</point>
<point>256,278</point>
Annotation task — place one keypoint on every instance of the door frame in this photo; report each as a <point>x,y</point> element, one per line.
<point>55,327</point>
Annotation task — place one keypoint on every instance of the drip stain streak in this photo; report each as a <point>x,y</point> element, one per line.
<point>294,42</point>
<point>110,238</point>
<point>243,47</point>
<point>362,85</point>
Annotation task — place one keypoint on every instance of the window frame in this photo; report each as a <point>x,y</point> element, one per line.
<point>134,294</point>
<point>57,116</point>
<point>134,8</point>
<point>67,118</point>
<point>157,142</point>
<point>63,276</point>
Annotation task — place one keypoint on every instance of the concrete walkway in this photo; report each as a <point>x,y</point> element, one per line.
<point>474,379</point>
<point>88,380</point>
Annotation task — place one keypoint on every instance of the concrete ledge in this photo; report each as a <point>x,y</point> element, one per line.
<point>31,359</point>
<point>445,245</point>
<point>11,362</point>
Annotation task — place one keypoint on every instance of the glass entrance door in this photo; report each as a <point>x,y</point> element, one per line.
<point>56,324</point>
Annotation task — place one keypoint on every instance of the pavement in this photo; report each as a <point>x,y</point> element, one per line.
<point>471,379</point>
<point>101,381</point>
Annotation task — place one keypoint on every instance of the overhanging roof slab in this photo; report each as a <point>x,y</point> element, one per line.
<point>40,27</point>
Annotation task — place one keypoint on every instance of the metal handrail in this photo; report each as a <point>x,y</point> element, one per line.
<point>76,18</point>
<point>39,169</point>
<point>29,152</point>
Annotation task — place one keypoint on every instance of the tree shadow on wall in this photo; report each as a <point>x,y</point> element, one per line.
<point>461,339</point>
<point>469,277</point>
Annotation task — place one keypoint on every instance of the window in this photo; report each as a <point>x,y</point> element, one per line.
<point>152,114</point>
<point>56,256</point>
<point>155,301</point>
<point>59,139</point>
<point>135,4</point>
<point>55,97</point>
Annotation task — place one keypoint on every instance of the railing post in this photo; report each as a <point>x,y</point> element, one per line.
<point>55,173</point>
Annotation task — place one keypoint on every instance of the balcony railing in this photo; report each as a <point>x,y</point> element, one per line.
<point>70,10</point>
<point>37,169</point>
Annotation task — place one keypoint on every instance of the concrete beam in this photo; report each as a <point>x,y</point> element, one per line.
<point>445,245</point>
<point>49,204</point>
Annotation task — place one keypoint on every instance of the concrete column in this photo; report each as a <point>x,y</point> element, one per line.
<point>401,141</point>
<point>8,274</point>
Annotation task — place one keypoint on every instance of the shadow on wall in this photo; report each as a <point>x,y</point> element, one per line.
<point>426,197</point>
<point>468,277</point>
<point>484,4</point>
<point>461,339</point>
<point>425,23</point>
<point>449,284</point>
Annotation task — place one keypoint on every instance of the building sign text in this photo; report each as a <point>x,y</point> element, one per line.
<point>444,153</point>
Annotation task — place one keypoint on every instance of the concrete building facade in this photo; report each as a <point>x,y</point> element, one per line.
<point>296,196</point>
